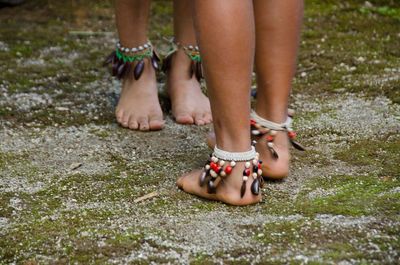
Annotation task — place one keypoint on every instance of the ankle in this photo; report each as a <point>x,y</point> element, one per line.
<point>270,112</point>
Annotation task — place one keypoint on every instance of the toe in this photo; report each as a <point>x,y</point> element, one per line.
<point>207,118</point>
<point>198,119</point>
<point>118,115</point>
<point>156,123</point>
<point>133,124</point>
<point>125,121</point>
<point>143,124</point>
<point>184,119</point>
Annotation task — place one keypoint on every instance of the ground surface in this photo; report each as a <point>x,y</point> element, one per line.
<point>69,175</point>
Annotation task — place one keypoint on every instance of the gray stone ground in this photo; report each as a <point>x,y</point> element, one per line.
<point>69,175</point>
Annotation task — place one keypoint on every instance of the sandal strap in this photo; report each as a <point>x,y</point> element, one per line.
<point>271,125</point>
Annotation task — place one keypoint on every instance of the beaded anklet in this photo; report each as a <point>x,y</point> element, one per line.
<point>192,52</point>
<point>262,127</point>
<point>123,60</point>
<point>221,163</point>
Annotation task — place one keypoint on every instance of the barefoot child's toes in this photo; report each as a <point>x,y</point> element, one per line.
<point>184,118</point>
<point>189,104</point>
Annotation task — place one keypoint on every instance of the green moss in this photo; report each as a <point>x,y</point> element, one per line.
<point>323,51</point>
<point>382,155</point>
<point>352,195</point>
<point>201,259</point>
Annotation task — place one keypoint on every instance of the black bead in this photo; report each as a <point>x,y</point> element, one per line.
<point>255,187</point>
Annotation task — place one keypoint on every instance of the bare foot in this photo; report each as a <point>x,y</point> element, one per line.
<point>272,168</point>
<point>189,104</point>
<point>228,190</point>
<point>138,107</point>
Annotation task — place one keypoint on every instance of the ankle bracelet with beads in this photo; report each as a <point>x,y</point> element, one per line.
<point>221,163</point>
<point>192,52</point>
<point>264,128</point>
<point>125,61</point>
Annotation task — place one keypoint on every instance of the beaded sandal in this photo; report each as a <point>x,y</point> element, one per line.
<point>221,163</point>
<point>194,55</point>
<point>123,60</point>
<point>264,128</point>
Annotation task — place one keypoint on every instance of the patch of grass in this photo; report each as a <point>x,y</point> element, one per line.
<point>354,195</point>
<point>364,51</point>
<point>201,259</point>
<point>388,11</point>
<point>383,155</point>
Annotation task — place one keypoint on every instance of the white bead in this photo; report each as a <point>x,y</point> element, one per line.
<point>140,48</point>
<point>118,44</point>
<point>245,178</point>
<point>222,174</point>
<point>134,49</point>
<point>146,46</point>
<point>126,50</point>
<point>259,172</point>
<point>197,48</point>
<point>270,144</point>
<point>247,164</point>
<point>255,132</point>
<point>233,163</point>
<point>190,47</point>
<point>255,162</point>
<point>207,167</point>
<point>273,132</point>
<point>254,175</point>
<point>221,163</point>
<point>214,159</point>
<point>213,174</point>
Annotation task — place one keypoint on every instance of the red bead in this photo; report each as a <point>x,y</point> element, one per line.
<point>292,134</point>
<point>270,138</point>
<point>228,170</point>
<point>252,122</point>
<point>214,166</point>
<point>247,171</point>
<point>259,165</point>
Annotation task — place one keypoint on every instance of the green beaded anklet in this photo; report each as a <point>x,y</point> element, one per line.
<point>194,55</point>
<point>123,60</point>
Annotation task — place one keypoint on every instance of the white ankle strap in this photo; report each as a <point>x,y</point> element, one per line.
<point>269,124</point>
<point>235,156</point>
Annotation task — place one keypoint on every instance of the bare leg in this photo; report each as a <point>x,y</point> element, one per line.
<point>227,52</point>
<point>189,104</point>
<point>277,36</point>
<point>138,106</point>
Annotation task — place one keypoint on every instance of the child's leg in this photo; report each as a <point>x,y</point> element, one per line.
<point>226,38</point>
<point>138,106</point>
<point>189,104</point>
<point>277,36</point>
